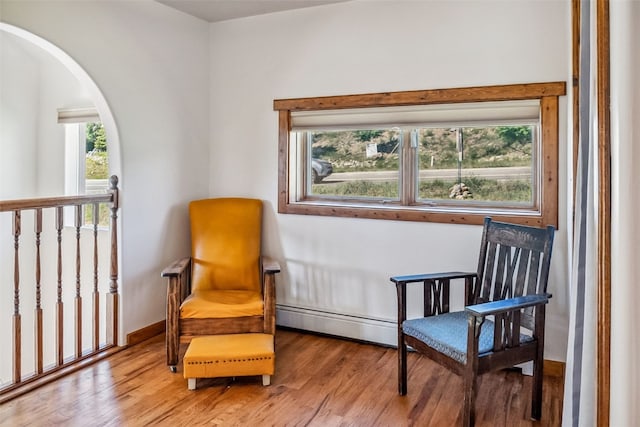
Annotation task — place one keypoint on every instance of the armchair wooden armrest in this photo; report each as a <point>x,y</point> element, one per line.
<point>179,284</point>
<point>178,288</point>
<point>176,268</point>
<point>269,269</point>
<point>270,265</point>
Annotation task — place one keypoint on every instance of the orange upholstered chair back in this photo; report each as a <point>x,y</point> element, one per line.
<point>225,244</point>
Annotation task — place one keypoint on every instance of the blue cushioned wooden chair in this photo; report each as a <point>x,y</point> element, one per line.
<point>502,324</point>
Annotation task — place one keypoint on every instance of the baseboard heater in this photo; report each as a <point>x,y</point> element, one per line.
<point>379,331</point>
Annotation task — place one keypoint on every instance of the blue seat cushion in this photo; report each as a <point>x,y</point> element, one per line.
<point>447,333</point>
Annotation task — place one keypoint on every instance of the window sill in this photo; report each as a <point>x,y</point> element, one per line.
<point>422,213</point>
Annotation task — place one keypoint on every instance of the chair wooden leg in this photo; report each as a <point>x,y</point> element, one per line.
<point>401,290</point>
<point>266,380</point>
<point>470,388</point>
<point>471,371</point>
<point>191,383</point>
<point>536,390</point>
<point>402,369</point>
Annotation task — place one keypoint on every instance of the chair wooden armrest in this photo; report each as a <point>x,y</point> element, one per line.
<point>506,327</point>
<point>506,305</point>
<point>412,278</point>
<point>435,291</point>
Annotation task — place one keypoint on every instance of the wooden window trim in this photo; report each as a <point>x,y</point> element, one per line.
<point>547,93</point>
<point>603,25</point>
<point>603,358</point>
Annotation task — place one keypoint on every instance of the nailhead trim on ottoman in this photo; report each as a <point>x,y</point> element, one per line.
<point>229,356</point>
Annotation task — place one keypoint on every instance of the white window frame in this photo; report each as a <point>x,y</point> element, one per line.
<point>75,157</point>
<point>74,121</point>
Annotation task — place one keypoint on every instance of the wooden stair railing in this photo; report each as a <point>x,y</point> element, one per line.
<point>58,204</point>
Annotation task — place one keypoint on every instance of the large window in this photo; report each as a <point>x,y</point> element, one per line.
<point>451,155</point>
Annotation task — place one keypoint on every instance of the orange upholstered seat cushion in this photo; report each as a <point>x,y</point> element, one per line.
<point>220,303</point>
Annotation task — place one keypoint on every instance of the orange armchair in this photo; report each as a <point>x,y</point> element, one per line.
<point>226,286</point>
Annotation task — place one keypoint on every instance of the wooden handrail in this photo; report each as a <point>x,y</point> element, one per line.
<point>52,202</point>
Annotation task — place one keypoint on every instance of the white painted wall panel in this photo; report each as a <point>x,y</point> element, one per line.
<point>625,232</point>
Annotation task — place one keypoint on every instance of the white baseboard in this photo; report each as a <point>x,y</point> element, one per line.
<point>349,326</point>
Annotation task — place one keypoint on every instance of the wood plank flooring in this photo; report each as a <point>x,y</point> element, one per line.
<point>319,381</point>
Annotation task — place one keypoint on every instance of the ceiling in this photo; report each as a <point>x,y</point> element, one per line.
<point>222,10</point>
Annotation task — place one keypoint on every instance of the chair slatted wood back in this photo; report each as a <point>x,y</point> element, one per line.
<point>514,261</point>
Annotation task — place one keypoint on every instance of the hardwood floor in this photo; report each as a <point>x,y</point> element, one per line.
<point>319,381</point>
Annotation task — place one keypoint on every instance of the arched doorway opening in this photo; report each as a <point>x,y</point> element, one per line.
<point>39,83</point>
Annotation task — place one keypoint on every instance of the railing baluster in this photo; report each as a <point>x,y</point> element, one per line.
<point>112,297</point>
<point>78,299</point>
<point>38,312</point>
<point>59,304</point>
<point>96,294</point>
<point>17,321</point>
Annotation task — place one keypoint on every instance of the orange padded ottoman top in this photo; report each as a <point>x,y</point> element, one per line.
<point>229,356</point>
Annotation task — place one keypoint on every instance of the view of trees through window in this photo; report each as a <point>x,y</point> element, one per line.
<point>97,166</point>
<point>96,169</point>
<point>475,164</point>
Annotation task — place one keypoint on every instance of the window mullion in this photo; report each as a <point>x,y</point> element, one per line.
<point>408,167</point>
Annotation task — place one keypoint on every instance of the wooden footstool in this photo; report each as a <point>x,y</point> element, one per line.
<point>229,356</point>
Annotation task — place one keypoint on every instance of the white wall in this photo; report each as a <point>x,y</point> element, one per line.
<point>625,233</point>
<point>151,64</point>
<point>19,95</point>
<point>34,85</point>
<point>336,271</point>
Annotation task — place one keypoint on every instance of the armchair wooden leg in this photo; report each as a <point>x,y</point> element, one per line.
<point>266,380</point>
<point>172,354</point>
<point>173,344</point>
<point>172,333</point>
<point>191,383</point>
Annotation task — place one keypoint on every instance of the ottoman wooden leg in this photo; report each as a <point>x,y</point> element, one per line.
<point>266,380</point>
<point>191,383</point>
